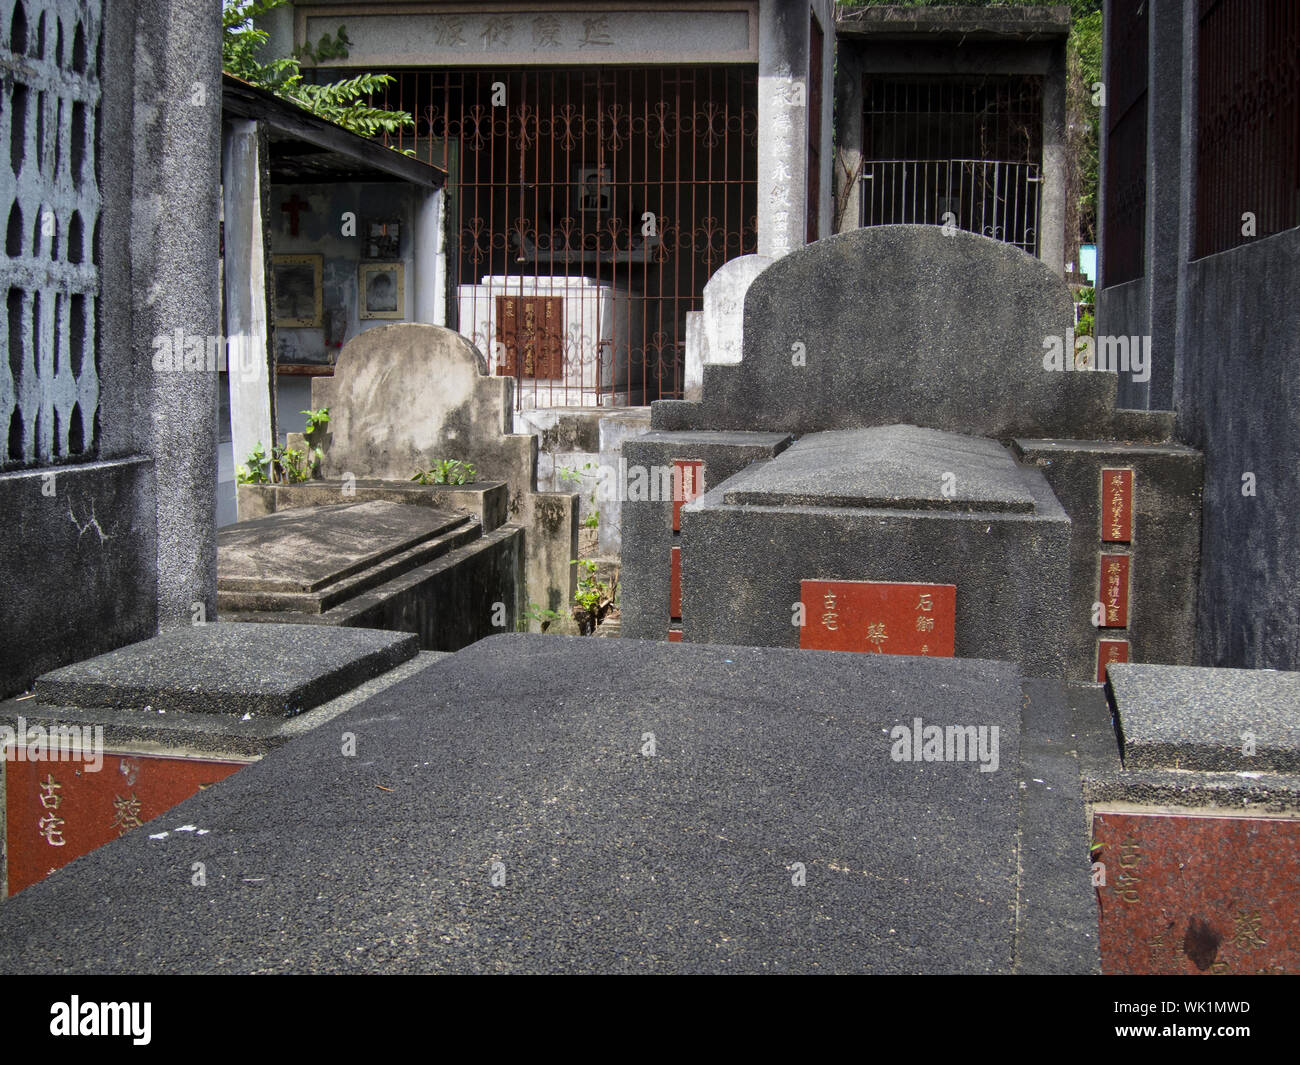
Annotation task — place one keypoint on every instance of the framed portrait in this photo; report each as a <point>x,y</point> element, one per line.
<point>383,239</point>
<point>297,283</point>
<point>382,290</point>
<point>593,190</point>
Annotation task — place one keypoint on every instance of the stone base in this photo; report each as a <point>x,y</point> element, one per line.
<point>897,504</point>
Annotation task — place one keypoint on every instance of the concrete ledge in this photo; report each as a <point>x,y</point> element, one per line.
<point>1214,720</point>
<point>228,669</point>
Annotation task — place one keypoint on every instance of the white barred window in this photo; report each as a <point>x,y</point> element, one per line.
<point>49,380</point>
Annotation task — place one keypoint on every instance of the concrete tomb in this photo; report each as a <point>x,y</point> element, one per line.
<point>900,416</point>
<point>376,564</point>
<point>1196,816</point>
<point>404,398</point>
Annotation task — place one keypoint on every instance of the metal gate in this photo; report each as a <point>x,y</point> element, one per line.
<point>956,150</point>
<point>587,209</point>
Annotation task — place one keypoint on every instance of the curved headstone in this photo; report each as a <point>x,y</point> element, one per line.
<point>403,397</point>
<point>907,324</point>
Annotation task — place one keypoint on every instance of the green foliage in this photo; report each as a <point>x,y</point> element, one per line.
<point>339,101</point>
<point>539,614</point>
<point>1084,326</point>
<point>316,420</point>
<point>255,469</point>
<point>574,476</point>
<point>591,592</point>
<point>448,471</point>
<point>286,465</point>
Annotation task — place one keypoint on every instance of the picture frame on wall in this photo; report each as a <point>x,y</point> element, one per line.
<point>594,190</point>
<point>383,239</point>
<point>382,290</point>
<point>296,280</point>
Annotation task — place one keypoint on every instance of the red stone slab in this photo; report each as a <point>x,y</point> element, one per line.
<point>688,484</point>
<point>674,635</point>
<point>1187,894</point>
<point>57,811</point>
<point>1117,505</point>
<point>1114,574</point>
<point>1109,652</point>
<point>675,587</point>
<point>879,617</point>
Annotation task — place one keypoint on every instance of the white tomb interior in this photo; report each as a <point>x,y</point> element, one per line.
<point>597,367</point>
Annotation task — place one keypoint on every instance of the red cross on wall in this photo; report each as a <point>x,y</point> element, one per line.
<point>292,207</point>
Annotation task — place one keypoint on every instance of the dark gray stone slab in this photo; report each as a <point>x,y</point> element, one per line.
<point>904,325</point>
<point>895,467</point>
<point>229,669</point>
<point>1166,544</point>
<point>1177,717</point>
<point>528,752</point>
<point>304,550</point>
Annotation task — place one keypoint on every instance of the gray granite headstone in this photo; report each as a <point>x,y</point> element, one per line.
<point>909,325</point>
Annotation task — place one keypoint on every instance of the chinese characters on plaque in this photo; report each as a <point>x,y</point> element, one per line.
<point>1187,894</point>
<point>1115,569</point>
<point>56,811</point>
<point>877,617</point>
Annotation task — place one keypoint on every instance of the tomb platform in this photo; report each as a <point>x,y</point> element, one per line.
<point>603,806</point>
<point>373,565</point>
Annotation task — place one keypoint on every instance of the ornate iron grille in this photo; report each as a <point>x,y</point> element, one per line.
<point>49,379</point>
<point>1248,121</point>
<point>1123,239</point>
<point>954,149</point>
<point>588,208</point>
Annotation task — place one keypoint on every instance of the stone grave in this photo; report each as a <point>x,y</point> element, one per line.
<point>404,397</point>
<point>111,743</point>
<point>901,417</point>
<point>607,806</point>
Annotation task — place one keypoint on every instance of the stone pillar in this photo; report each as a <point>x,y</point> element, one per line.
<point>1051,219</point>
<point>848,149</point>
<point>1168,194</point>
<point>782,125</point>
<point>173,257</point>
<point>249,370</point>
<point>428,252</point>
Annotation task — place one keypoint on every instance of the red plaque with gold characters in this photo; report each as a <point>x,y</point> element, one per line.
<point>1117,506</point>
<point>59,810</point>
<point>1108,653</point>
<point>879,618</point>
<point>1187,894</point>
<point>1112,592</point>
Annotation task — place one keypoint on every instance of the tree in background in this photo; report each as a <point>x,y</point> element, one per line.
<point>1083,72</point>
<point>340,102</point>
